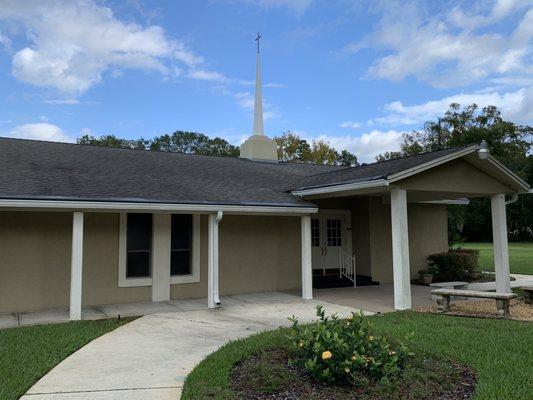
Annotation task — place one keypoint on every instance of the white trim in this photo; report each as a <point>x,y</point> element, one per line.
<point>459,202</point>
<point>76,269</point>
<point>195,275</point>
<point>509,173</point>
<point>431,164</point>
<point>122,257</point>
<point>152,207</point>
<point>161,242</point>
<point>341,187</point>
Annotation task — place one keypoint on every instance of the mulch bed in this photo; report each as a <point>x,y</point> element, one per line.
<point>292,383</point>
<point>518,309</point>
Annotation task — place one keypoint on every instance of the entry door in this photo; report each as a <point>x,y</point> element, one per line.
<point>327,238</point>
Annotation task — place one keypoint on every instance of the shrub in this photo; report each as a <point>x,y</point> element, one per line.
<point>342,351</point>
<point>454,265</point>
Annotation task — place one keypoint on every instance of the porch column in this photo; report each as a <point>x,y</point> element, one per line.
<point>307,269</point>
<point>76,263</point>
<point>213,298</point>
<point>400,249</point>
<point>160,257</point>
<point>499,239</point>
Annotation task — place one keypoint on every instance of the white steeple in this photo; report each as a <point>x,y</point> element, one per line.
<point>258,105</point>
<point>259,147</point>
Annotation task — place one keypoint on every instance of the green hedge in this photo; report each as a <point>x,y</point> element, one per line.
<point>455,265</point>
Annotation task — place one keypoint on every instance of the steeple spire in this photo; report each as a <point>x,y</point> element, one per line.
<point>258,105</point>
<point>258,147</point>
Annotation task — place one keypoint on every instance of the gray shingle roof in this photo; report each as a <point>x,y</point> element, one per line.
<point>369,172</point>
<point>61,171</point>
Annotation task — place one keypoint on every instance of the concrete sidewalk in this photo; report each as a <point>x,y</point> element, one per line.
<point>150,357</point>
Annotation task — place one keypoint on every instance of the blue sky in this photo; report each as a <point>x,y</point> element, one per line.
<point>354,73</point>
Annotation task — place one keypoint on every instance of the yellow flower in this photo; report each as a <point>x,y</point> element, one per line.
<point>392,352</point>
<point>371,337</point>
<point>353,358</point>
<point>326,355</point>
<point>347,370</point>
<point>350,317</point>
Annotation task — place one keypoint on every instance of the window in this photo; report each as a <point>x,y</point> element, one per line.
<point>181,244</point>
<point>139,246</point>
<point>334,232</point>
<point>315,232</point>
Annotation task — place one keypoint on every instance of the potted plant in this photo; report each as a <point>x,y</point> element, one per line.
<point>427,274</point>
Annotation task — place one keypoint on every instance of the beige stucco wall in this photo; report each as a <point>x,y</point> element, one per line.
<point>457,176</point>
<point>428,234</point>
<point>257,253</point>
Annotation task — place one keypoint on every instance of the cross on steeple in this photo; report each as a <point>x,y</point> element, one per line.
<point>257,40</point>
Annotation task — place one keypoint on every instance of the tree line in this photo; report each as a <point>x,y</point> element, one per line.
<point>510,143</point>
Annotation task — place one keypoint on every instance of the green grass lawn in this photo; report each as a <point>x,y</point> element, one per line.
<point>500,351</point>
<point>28,353</point>
<point>520,256</point>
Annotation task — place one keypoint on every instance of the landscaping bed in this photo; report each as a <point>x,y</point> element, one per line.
<point>499,351</point>
<point>269,375</point>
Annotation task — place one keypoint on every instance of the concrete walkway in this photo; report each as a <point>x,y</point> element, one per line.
<point>520,280</point>
<point>150,357</point>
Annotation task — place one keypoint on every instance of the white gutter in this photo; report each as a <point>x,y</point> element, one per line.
<point>341,187</point>
<point>133,206</point>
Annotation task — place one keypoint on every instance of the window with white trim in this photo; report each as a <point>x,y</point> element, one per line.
<point>181,245</point>
<point>139,246</point>
<point>138,242</point>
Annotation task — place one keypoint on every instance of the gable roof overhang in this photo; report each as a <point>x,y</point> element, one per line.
<point>381,184</point>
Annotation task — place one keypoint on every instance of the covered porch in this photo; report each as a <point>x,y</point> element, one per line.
<point>405,219</point>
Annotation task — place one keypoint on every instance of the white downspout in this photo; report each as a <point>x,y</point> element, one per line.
<point>213,296</point>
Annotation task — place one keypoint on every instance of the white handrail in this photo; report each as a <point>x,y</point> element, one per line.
<point>347,266</point>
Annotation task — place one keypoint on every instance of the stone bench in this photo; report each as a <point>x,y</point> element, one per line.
<point>502,299</point>
<point>528,294</point>
<point>458,285</point>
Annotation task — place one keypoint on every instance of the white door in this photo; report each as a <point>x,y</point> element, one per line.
<point>327,239</point>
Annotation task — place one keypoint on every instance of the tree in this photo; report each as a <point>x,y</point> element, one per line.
<point>194,143</point>
<point>509,143</point>
<point>293,148</point>
<point>290,147</point>
<point>113,141</point>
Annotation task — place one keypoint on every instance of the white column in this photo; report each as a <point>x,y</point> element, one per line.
<point>161,257</point>
<point>76,266</point>
<point>307,269</point>
<point>499,240</point>
<point>213,298</point>
<point>400,249</point>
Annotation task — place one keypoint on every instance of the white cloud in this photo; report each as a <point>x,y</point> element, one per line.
<point>72,43</point>
<point>516,106</point>
<point>366,146</point>
<point>209,76</point>
<point>448,49</point>
<point>350,124</point>
<point>40,131</point>
<point>297,6</point>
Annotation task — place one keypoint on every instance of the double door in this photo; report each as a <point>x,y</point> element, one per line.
<point>328,238</point>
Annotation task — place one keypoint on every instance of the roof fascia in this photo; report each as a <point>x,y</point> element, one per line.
<point>152,207</point>
<point>519,181</point>
<point>340,188</point>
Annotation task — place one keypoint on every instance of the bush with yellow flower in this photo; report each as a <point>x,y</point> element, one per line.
<point>343,351</point>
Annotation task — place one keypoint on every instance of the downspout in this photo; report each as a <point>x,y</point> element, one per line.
<point>216,292</point>
<point>511,200</point>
